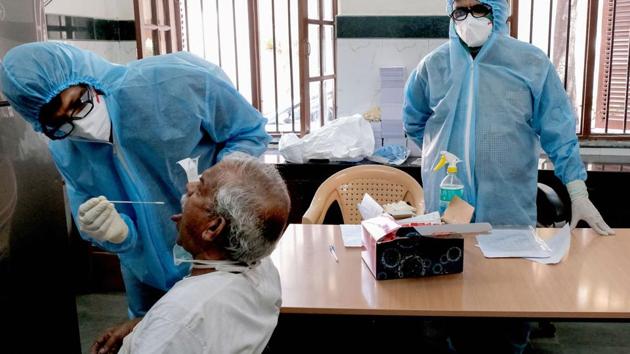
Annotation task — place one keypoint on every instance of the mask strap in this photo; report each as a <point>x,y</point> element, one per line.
<point>222,268</point>
<point>96,95</point>
<point>219,265</point>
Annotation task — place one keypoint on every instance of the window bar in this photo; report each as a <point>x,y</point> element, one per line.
<point>69,25</point>
<point>291,67</point>
<point>513,19</point>
<point>185,38</point>
<point>157,40</point>
<point>252,8</point>
<point>235,46</point>
<point>334,13</point>
<point>203,30</point>
<point>275,61</point>
<point>612,45</point>
<point>566,54</point>
<point>168,10</point>
<point>625,101</point>
<point>304,51</point>
<point>320,78</point>
<point>218,32</point>
<point>531,21</point>
<point>550,27</point>
<point>321,62</point>
<point>154,13</point>
<point>589,60</point>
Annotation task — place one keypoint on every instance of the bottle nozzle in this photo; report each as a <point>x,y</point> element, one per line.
<point>452,162</point>
<point>440,163</point>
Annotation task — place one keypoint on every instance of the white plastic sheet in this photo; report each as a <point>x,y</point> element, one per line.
<point>344,139</point>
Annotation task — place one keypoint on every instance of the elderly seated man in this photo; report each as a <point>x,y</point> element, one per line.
<point>232,219</point>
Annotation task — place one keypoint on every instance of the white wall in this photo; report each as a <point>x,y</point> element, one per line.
<point>358,64</point>
<point>392,7</point>
<point>359,60</point>
<point>103,9</point>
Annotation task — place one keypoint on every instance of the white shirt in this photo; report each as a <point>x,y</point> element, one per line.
<point>218,312</point>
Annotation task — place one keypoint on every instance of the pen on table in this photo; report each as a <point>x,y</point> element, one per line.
<point>331,248</point>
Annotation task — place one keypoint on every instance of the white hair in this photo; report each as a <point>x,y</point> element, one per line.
<point>254,200</point>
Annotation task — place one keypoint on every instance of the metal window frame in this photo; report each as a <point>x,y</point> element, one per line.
<point>303,55</point>
<point>165,26</point>
<point>306,78</point>
<point>592,30</point>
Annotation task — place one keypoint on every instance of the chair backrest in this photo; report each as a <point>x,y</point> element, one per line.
<point>347,187</point>
<point>550,208</point>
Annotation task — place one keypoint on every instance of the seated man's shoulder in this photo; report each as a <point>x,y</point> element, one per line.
<point>259,283</point>
<point>220,290</point>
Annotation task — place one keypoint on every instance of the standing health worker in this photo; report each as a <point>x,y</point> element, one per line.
<point>493,101</point>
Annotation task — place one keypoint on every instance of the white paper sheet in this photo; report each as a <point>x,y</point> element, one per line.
<point>380,226</point>
<point>504,243</point>
<point>559,244</point>
<point>351,235</point>
<point>369,208</point>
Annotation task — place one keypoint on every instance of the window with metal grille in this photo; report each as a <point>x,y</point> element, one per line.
<point>614,71</point>
<point>279,54</point>
<point>587,41</point>
<point>157,27</point>
<point>318,73</point>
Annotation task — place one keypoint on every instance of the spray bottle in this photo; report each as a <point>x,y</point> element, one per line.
<point>451,185</point>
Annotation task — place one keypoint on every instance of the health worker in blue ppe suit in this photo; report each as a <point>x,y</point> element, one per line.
<point>493,101</point>
<point>117,133</point>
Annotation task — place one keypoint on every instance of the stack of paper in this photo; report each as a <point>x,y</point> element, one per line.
<point>378,134</point>
<point>501,243</point>
<point>392,87</point>
<point>351,235</point>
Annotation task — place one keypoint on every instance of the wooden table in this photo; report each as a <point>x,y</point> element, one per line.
<point>592,282</point>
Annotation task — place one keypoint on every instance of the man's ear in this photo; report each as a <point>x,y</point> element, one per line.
<point>213,228</point>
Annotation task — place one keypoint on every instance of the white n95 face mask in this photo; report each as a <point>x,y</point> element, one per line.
<point>95,126</point>
<point>474,31</point>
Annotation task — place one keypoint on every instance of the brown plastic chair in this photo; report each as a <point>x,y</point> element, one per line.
<point>385,184</point>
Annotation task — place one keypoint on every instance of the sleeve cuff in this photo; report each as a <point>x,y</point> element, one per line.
<point>577,189</point>
<point>129,243</point>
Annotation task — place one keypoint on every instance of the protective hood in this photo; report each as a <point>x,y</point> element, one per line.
<point>31,75</point>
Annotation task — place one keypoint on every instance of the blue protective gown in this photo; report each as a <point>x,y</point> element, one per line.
<point>494,112</point>
<point>163,109</point>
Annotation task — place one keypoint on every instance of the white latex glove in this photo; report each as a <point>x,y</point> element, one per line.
<point>583,209</point>
<point>99,219</point>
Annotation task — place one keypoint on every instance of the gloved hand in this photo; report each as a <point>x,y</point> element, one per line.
<point>99,219</point>
<point>583,209</point>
